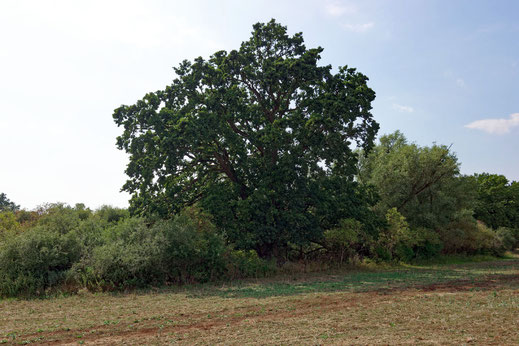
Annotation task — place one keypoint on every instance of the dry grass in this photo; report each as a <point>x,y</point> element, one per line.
<point>480,305</point>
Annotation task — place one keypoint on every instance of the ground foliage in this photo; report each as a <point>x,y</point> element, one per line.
<point>70,248</point>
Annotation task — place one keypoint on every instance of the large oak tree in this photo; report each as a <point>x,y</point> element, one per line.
<point>261,137</point>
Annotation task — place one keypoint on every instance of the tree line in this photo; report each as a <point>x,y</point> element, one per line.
<point>250,159</point>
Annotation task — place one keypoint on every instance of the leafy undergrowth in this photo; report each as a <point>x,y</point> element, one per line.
<point>453,303</point>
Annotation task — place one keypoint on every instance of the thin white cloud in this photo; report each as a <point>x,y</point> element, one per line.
<point>460,82</point>
<point>337,8</point>
<point>358,27</point>
<point>496,126</point>
<point>403,109</point>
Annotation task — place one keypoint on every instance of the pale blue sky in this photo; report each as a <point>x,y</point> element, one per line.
<point>444,71</point>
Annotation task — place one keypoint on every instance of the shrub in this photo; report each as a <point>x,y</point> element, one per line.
<point>58,218</point>
<point>78,247</point>
<point>507,237</point>
<point>427,244</point>
<point>343,240</point>
<point>515,232</point>
<point>27,219</point>
<point>34,260</point>
<point>244,264</point>
<point>488,241</point>
<point>459,236</point>
<point>420,243</point>
<point>395,238</point>
<point>82,211</point>
<point>398,241</point>
<point>90,233</point>
<point>126,255</point>
<point>111,214</point>
<point>8,225</point>
<point>470,237</point>
<point>194,250</point>
<point>135,254</point>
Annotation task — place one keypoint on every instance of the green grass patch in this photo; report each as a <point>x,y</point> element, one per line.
<point>398,277</point>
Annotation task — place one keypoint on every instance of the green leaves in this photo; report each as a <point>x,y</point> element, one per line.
<point>6,204</point>
<point>423,183</point>
<point>498,201</point>
<point>265,123</point>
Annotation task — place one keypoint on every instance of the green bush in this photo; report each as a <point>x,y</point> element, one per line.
<point>8,225</point>
<point>27,219</point>
<point>507,237</point>
<point>515,232</point>
<point>194,250</point>
<point>90,233</point>
<point>427,245</point>
<point>107,249</point>
<point>127,255</point>
<point>111,214</point>
<point>458,237</point>
<point>134,254</point>
<point>397,230</point>
<point>382,253</point>
<point>418,244</point>
<point>488,241</point>
<point>59,218</point>
<point>343,240</point>
<point>467,236</point>
<point>35,260</point>
<point>246,264</point>
<point>395,240</point>
<point>398,241</point>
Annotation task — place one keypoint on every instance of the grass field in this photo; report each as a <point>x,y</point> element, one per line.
<point>454,303</point>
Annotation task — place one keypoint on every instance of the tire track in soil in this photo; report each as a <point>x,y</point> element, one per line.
<point>100,335</point>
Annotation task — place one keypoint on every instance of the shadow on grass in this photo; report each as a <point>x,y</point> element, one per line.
<point>467,276</point>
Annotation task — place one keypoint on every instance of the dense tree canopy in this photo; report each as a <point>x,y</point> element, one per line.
<point>261,137</point>
<point>498,201</point>
<point>423,183</point>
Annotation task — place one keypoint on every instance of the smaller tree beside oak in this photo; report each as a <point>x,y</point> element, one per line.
<point>422,183</point>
